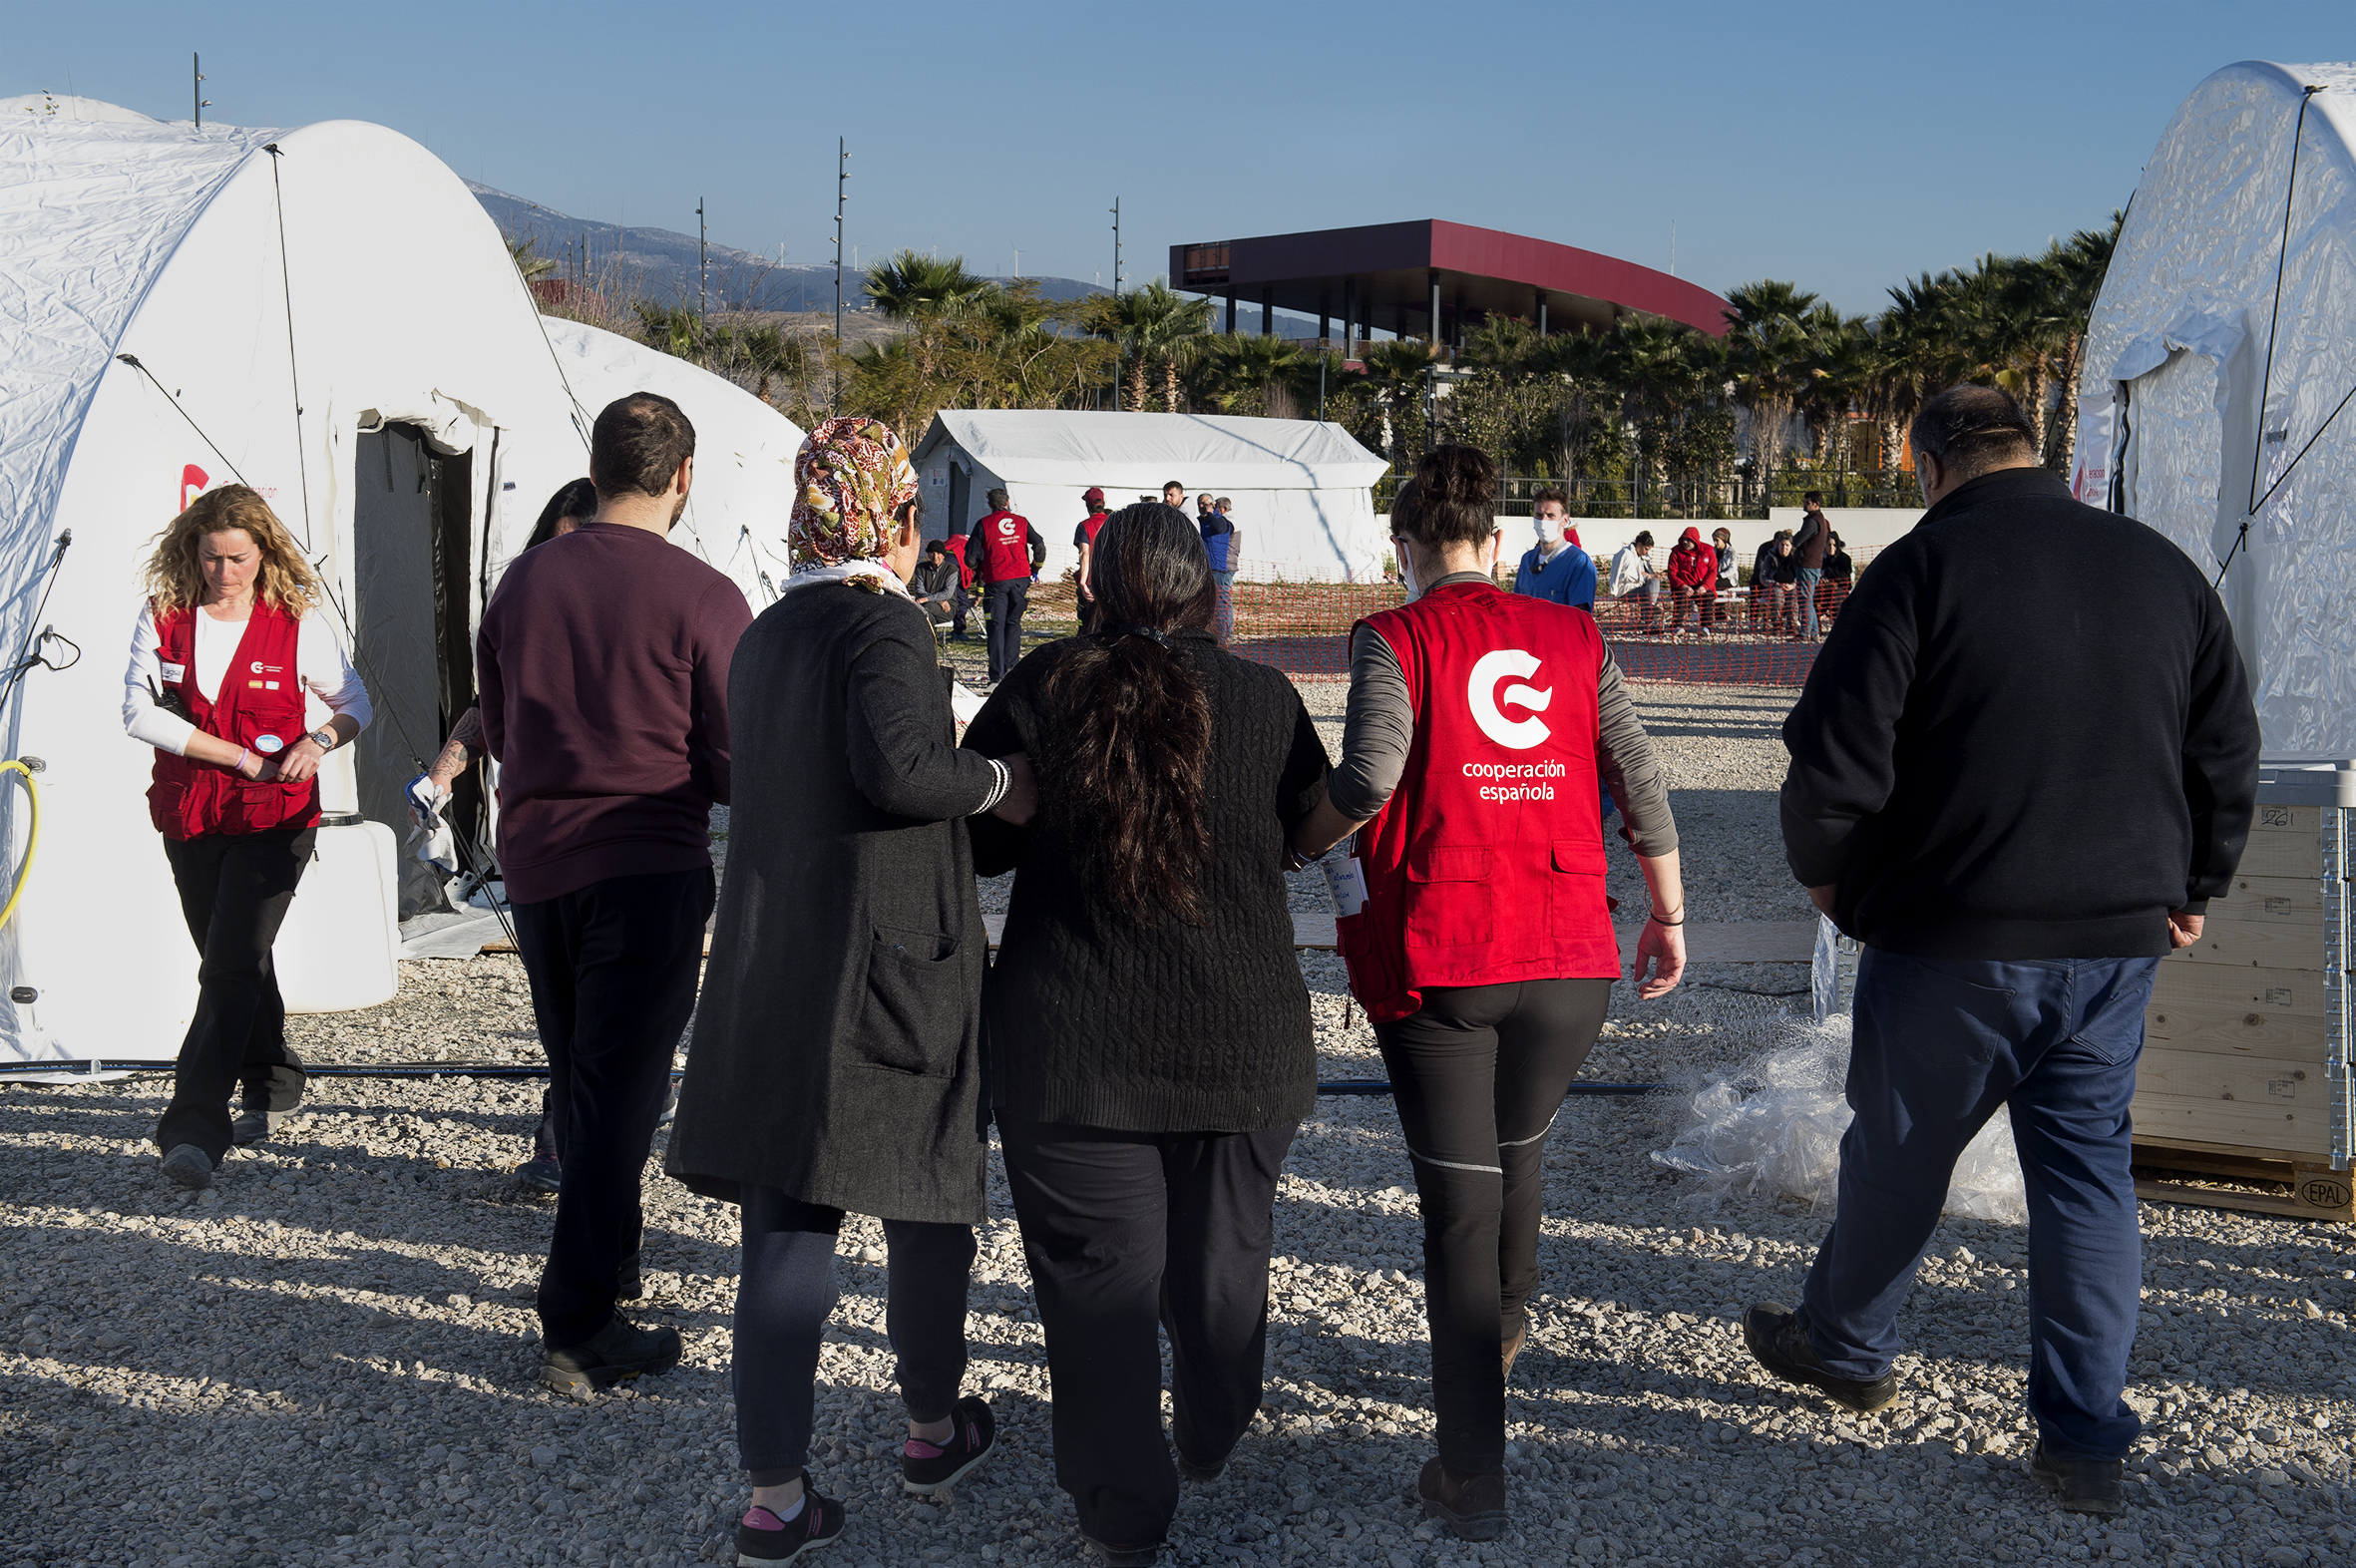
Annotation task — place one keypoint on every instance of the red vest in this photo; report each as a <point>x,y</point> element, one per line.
<point>260,702</point>
<point>1486,864</point>
<point>1006,537</point>
<point>1094,523</point>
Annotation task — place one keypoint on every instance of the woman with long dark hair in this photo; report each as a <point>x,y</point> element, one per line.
<point>1147,1028</point>
<point>1482,948</point>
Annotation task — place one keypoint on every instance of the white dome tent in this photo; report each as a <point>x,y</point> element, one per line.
<point>1303,491</point>
<point>329,315</point>
<point>2215,400</point>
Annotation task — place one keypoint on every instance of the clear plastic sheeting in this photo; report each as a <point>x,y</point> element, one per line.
<point>2194,285</point>
<point>1774,1126</point>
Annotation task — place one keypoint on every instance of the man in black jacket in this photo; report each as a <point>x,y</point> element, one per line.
<point>939,590</point>
<point>2019,791</point>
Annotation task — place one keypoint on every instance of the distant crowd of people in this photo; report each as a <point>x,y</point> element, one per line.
<point>1799,578</point>
<point>2019,796</point>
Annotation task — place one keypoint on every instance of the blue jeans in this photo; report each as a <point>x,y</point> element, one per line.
<point>1938,1044</point>
<point>1809,577</point>
<point>1223,618</point>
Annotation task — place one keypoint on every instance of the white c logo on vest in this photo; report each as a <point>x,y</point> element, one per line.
<point>1481,691</point>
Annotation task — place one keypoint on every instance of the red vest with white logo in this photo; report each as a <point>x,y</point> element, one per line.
<point>260,701</point>
<point>1486,864</point>
<point>1006,537</point>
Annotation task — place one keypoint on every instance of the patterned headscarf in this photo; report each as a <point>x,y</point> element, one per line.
<point>848,478</point>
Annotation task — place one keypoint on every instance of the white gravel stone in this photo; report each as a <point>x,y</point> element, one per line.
<point>328,1361</point>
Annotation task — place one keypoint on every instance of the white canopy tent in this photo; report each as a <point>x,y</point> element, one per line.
<point>2214,403</point>
<point>1303,491</point>
<point>328,316</point>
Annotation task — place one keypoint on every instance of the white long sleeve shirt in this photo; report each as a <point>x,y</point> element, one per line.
<point>321,664</point>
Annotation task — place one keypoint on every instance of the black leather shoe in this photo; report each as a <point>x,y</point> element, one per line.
<point>540,1174</point>
<point>615,1354</point>
<point>1779,1343</point>
<point>2081,1485</point>
<point>254,1126</point>
<point>186,1168</point>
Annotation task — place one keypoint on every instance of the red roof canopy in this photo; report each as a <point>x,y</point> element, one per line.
<point>1385,273</point>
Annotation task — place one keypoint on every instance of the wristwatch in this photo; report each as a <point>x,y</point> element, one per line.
<point>325,736</point>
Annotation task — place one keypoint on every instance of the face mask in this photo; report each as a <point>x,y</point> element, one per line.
<point>1550,530</point>
<point>1406,568</point>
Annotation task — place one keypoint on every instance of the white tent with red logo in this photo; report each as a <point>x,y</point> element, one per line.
<point>328,316</point>
<point>2219,399</point>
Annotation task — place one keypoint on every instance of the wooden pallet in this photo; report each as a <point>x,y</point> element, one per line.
<point>2283,1183</point>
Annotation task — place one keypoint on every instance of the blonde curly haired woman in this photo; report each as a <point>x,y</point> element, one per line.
<point>226,657</point>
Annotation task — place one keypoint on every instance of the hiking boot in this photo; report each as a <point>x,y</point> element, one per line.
<point>615,1354</point>
<point>186,1168</point>
<point>1779,1343</point>
<point>1118,1556</point>
<point>254,1126</point>
<point>540,1174</point>
<point>973,1431</point>
<point>2081,1485</point>
<point>1472,1505</point>
<point>764,1540</point>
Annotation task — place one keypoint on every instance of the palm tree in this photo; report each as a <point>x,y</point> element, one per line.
<point>1149,325</point>
<point>1239,365</point>
<point>522,250</point>
<point>910,285</point>
<point>2076,267</point>
<point>1397,369</point>
<point>1768,344</point>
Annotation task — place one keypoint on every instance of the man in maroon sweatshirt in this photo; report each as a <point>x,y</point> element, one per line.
<point>602,660</point>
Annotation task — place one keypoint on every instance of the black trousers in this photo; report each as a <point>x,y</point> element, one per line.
<point>612,968</point>
<point>1006,602</point>
<point>1478,1075</point>
<point>233,892</point>
<point>1125,1231</point>
<point>787,1290</point>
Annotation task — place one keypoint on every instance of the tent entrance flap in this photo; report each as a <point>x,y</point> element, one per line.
<point>411,559</point>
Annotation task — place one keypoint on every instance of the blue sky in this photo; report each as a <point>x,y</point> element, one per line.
<point>1842,146</point>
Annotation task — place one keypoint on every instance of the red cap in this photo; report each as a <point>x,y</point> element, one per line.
<point>1092,495</point>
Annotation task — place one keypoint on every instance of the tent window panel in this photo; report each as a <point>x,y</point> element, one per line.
<point>2174,453</point>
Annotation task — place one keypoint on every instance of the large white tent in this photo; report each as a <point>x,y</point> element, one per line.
<point>2219,365</point>
<point>1303,491</point>
<point>328,316</point>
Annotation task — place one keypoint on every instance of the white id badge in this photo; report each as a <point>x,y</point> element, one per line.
<point>174,674</point>
<point>1345,883</point>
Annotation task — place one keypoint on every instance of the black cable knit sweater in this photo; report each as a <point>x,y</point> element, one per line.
<point>1090,1020</point>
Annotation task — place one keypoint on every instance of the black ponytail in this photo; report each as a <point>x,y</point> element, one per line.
<point>1130,725</point>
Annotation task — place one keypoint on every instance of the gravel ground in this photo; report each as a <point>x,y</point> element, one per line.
<point>328,1360</point>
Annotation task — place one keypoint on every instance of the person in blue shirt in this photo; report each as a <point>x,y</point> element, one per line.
<point>1556,567</point>
<point>1223,545</point>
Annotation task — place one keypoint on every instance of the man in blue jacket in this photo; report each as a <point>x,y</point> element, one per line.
<point>1224,546</point>
<point>1556,567</point>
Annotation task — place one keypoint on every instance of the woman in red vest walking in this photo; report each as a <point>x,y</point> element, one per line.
<point>221,659</point>
<point>1476,930</point>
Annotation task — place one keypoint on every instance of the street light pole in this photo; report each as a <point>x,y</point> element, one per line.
<point>842,182</point>
<point>703,265</point>
<point>197,88</point>
<point>1119,356</point>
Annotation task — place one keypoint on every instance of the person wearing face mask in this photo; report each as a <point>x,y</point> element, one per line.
<point>1556,567</point>
<point>1472,917</point>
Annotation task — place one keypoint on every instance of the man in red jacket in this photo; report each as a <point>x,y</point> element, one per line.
<point>1006,552</point>
<point>1693,579</point>
<point>1084,536</point>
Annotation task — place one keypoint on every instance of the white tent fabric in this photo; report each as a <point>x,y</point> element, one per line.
<point>744,453</point>
<point>351,266</point>
<point>1303,491</point>
<point>2221,349</point>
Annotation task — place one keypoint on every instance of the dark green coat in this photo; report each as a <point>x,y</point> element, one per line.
<point>836,1053</point>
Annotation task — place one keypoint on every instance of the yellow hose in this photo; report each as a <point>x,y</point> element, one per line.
<point>32,839</point>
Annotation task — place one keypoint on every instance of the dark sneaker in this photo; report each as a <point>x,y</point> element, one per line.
<point>615,1354</point>
<point>1116,1555</point>
<point>539,1175</point>
<point>1779,1343</point>
<point>763,1539</point>
<point>1472,1505</point>
<point>254,1126</point>
<point>186,1168</point>
<point>974,1431</point>
<point>2081,1485</point>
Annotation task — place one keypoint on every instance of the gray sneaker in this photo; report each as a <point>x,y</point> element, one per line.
<point>186,1168</point>
<point>254,1126</point>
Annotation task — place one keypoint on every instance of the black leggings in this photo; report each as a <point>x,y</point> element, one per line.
<point>784,1297</point>
<point>1477,1075</point>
